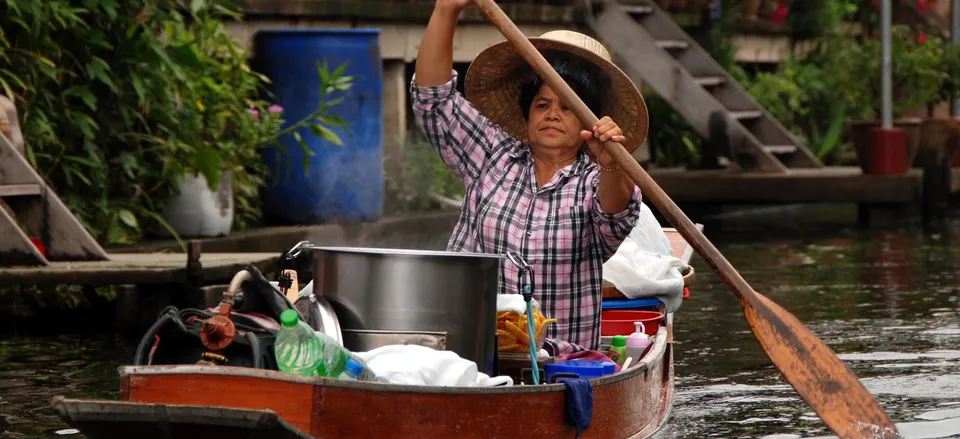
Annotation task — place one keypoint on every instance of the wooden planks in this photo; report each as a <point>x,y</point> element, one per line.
<point>825,185</point>
<point>45,216</point>
<point>136,268</point>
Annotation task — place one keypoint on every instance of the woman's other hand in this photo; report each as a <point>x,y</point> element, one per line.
<point>605,129</point>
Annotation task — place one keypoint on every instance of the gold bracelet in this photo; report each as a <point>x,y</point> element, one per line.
<point>597,161</point>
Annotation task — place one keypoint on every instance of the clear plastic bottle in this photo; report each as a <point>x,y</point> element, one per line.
<point>301,350</point>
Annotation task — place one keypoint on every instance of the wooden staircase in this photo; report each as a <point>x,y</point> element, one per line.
<point>650,47</point>
<point>26,199</point>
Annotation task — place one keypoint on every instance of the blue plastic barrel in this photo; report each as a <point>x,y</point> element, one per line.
<point>341,182</point>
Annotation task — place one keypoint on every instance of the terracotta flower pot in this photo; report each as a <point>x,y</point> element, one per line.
<point>860,135</point>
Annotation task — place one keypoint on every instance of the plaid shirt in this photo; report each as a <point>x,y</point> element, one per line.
<point>559,229</point>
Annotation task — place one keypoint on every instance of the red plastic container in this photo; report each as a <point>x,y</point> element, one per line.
<point>620,322</point>
<point>889,151</point>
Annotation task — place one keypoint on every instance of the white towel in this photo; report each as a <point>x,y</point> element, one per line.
<point>420,365</point>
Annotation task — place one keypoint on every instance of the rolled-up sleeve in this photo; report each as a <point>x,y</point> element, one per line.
<point>610,229</point>
<point>462,136</point>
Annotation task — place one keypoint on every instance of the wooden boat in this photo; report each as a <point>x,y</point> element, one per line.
<point>198,401</point>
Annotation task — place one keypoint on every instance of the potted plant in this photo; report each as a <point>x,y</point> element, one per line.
<point>915,74</point>
<point>937,131</point>
<point>225,123</point>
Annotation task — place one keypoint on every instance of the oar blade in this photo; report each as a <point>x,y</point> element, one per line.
<point>817,374</point>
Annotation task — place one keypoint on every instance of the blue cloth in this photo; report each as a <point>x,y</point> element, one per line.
<point>579,402</point>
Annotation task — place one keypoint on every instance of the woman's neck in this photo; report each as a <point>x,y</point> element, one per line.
<point>547,163</point>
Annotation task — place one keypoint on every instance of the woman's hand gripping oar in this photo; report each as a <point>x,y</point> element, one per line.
<point>821,379</point>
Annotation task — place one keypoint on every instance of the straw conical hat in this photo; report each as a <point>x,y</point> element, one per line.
<point>495,78</point>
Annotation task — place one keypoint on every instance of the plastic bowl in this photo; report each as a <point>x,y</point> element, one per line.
<point>620,322</point>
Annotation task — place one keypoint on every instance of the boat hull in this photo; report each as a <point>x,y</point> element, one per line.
<point>631,404</point>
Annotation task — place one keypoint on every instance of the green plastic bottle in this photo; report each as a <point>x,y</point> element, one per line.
<point>301,350</point>
<point>618,351</point>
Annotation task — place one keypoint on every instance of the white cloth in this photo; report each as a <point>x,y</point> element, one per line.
<point>420,365</point>
<point>515,303</point>
<point>643,266</point>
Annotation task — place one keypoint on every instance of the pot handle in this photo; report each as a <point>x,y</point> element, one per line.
<point>517,260</point>
<point>525,288</point>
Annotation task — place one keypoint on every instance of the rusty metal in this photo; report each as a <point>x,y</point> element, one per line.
<point>212,359</point>
<point>218,331</point>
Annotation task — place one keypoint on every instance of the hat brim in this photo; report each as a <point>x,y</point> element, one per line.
<point>495,78</point>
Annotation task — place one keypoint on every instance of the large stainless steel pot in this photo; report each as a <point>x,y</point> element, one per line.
<point>412,290</point>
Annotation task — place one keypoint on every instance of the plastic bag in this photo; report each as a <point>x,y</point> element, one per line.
<point>648,234</point>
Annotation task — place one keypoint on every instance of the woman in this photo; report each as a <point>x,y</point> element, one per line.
<point>531,186</point>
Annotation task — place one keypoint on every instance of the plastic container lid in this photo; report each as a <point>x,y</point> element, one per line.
<point>583,368</point>
<point>619,340</point>
<point>353,367</point>
<point>289,318</point>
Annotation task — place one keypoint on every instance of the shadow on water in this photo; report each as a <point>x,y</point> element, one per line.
<point>886,300</point>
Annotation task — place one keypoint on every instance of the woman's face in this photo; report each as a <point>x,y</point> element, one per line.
<point>551,124</point>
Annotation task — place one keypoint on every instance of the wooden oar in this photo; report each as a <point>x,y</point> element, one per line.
<point>810,366</point>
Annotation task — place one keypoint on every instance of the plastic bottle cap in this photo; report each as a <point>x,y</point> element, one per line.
<point>619,340</point>
<point>639,326</point>
<point>354,368</point>
<point>289,318</point>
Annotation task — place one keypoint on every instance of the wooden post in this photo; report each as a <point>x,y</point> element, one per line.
<point>936,183</point>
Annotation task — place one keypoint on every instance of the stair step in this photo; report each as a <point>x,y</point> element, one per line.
<point>746,114</point>
<point>780,149</point>
<point>673,44</point>
<point>637,9</point>
<point>17,190</point>
<point>710,81</point>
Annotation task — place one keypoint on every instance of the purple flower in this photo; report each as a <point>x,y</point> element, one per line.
<point>253,111</point>
<point>275,108</point>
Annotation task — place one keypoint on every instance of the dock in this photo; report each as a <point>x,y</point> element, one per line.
<point>835,184</point>
<point>930,190</point>
<point>139,269</point>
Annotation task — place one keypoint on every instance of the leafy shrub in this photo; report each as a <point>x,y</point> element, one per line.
<point>120,98</point>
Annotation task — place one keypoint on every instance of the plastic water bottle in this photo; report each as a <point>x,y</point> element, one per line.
<point>301,350</point>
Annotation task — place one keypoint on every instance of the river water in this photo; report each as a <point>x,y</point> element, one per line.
<point>885,299</point>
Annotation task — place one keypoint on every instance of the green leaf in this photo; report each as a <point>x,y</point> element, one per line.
<point>156,217</point>
<point>129,219</point>
<point>6,88</point>
<point>335,121</point>
<point>76,173</point>
<point>209,163</point>
<point>187,56</point>
<point>129,163</point>
<point>326,134</point>
<point>339,71</point>
<point>88,98</point>
<point>196,6</point>
<point>138,87</point>
<point>98,69</point>
<point>82,161</point>
<point>116,234</point>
